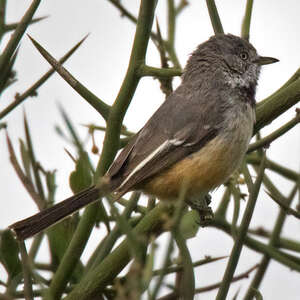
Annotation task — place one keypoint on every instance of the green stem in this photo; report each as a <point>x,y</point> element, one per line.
<point>269,109</point>
<point>70,258</point>
<point>178,268</point>
<point>35,246</point>
<point>221,210</point>
<point>17,35</point>
<point>187,285</point>
<point>282,242</point>
<point>107,244</point>
<point>266,141</point>
<point>26,272</point>
<point>247,20</point>
<point>237,248</point>
<point>260,247</point>
<point>96,280</point>
<point>293,78</point>
<point>214,17</point>
<point>159,72</point>
<point>111,145</point>
<point>93,100</point>
<point>32,90</point>
<point>283,171</point>
<point>129,85</point>
<point>272,242</point>
<point>2,18</point>
<point>13,26</point>
<point>35,167</point>
<point>175,224</point>
<point>171,23</point>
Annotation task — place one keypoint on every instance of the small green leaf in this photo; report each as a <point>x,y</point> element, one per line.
<point>81,177</point>
<point>9,254</point>
<point>189,224</point>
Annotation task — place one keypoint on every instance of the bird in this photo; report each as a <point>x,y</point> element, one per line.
<point>197,137</point>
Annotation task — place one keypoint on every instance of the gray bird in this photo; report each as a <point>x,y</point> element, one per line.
<point>197,137</point>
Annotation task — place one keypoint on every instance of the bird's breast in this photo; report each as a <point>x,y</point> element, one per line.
<point>209,167</point>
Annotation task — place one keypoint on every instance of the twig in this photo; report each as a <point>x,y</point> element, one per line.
<point>247,20</point>
<point>195,264</point>
<point>19,98</point>
<point>258,246</point>
<point>109,150</point>
<point>26,182</point>
<point>276,104</point>
<point>124,12</point>
<point>236,250</point>
<point>175,223</point>
<point>95,281</point>
<point>181,6</point>
<point>13,26</point>
<point>214,17</point>
<point>101,107</point>
<point>266,141</point>
<point>159,72</point>
<point>107,244</point>
<point>284,206</point>
<point>271,165</point>
<point>34,164</point>
<point>272,242</point>
<point>18,33</point>
<point>26,272</point>
<point>186,282</point>
<point>236,278</point>
<point>174,296</point>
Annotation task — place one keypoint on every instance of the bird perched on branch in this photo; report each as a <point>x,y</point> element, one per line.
<point>197,137</point>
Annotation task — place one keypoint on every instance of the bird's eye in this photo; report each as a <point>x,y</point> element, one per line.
<point>244,55</point>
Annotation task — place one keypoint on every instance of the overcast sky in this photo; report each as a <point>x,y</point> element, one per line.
<point>101,63</point>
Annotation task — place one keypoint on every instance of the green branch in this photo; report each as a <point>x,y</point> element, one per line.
<point>276,104</point>
<point>145,70</point>
<point>237,248</point>
<point>26,272</point>
<point>247,20</point>
<point>96,280</point>
<point>129,85</point>
<point>266,141</point>
<point>214,17</point>
<point>13,26</point>
<point>110,145</point>
<point>282,242</point>
<point>279,256</point>
<point>2,18</point>
<point>30,92</point>
<point>275,167</point>
<point>17,35</point>
<point>93,100</point>
<point>272,242</point>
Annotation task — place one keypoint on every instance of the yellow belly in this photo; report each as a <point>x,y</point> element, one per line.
<point>201,171</point>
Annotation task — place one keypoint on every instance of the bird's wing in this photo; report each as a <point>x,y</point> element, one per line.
<point>178,128</point>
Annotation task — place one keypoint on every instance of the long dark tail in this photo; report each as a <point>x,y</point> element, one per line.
<point>49,216</point>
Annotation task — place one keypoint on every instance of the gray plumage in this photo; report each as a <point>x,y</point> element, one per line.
<point>216,85</point>
<point>201,132</point>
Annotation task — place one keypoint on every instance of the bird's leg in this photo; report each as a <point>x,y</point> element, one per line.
<point>201,205</point>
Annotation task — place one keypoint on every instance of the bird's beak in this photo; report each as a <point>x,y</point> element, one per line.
<point>264,60</point>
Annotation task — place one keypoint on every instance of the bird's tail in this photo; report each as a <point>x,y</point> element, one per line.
<point>49,216</point>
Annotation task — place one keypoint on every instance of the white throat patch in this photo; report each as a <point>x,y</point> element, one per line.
<point>242,80</point>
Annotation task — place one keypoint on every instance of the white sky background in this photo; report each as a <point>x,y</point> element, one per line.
<point>100,64</point>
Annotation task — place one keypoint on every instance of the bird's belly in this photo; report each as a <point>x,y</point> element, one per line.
<point>204,170</point>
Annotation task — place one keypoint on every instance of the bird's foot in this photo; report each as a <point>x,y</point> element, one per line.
<point>201,205</point>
